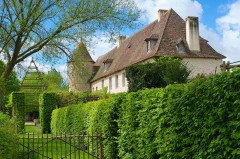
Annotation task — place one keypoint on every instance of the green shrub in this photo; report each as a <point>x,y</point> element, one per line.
<point>70,119</point>
<point>103,119</point>
<point>164,71</point>
<point>71,98</point>
<point>16,100</point>
<point>195,120</point>
<point>139,120</point>
<point>47,103</point>
<point>205,120</point>
<point>8,137</point>
<point>98,116</point>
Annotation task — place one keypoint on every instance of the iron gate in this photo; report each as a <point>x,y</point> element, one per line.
<point>60,146</point>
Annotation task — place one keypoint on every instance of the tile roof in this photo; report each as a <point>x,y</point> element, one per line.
<point>168,32</point>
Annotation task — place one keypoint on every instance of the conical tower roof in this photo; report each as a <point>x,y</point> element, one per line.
<point>81,54</point>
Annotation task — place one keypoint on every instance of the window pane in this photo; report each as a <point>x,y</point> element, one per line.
<point>123,79</point>
<point>102,84</point>
<point>116,81</point>
<point>110,83</point>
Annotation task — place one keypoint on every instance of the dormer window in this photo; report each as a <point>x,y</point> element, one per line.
<point>107,63</point>
<point>181,47</point>
<point>106,66</point>
<point>151,42</point>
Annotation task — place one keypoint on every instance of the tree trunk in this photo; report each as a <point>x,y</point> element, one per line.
<point>2,104</point>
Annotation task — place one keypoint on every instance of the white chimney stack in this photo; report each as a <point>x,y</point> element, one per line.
<point>161,12</point>
<point>192,33</point>
<point>121,39</point>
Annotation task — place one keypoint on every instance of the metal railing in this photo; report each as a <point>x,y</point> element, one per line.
<point>60,146</point>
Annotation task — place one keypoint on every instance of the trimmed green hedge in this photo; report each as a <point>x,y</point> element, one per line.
<point>98,116</point>
<point>47,103</point>
<point>16,100</point>
<point>71,98</point>
<point>195,120</point>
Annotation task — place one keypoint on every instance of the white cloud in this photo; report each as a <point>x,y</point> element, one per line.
<point>184,8</point>
<point>100,46</point>
<point>229,28</point>
<point>150,8</point>
<point>63,69</point>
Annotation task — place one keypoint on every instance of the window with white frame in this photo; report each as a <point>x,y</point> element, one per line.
<point>124,79</point>
<point>181,47</point>
<point>110,83</point>
<point>116,81</point>
<point>150,44</point>
<point>106,66</point>
<point>102,84</point>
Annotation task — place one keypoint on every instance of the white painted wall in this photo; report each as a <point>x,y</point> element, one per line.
<point>114,89</point>
<point>204,66</point>
<point>197,66</point>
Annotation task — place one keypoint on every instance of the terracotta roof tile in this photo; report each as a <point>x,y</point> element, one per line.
<point>167,32</point>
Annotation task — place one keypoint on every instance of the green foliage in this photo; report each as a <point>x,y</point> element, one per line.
<point>17,101</point>
<point>33,87</point>
<point>195,120</point>
<point>98,116</point>
<point>54,81</point>
<point>164,71</point>
<point>70,119</point>
<point>8,137</point>
<point>12,84</point>
<point>70,98</point>
<point>205,119</point>
<point>47,103</point>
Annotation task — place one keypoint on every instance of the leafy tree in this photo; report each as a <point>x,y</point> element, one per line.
<point>12,82</point>
<point>50,27</point>
<point>54,81</point>
<point>164,71</point>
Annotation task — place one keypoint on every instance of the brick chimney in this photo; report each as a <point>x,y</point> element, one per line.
<point>121,39</point>
<point>192,33</point>
<point>161,12</point>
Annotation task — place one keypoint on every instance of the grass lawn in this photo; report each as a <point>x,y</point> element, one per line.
<point>32,128</point>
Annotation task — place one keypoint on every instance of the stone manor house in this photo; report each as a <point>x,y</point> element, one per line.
<point>169,35</point>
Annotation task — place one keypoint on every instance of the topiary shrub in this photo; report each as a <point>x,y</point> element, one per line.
<point>8,137</point>
<point>47,103</point>
<point>16,100</point>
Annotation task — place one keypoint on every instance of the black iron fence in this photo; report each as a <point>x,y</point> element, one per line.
<point>60,146</point>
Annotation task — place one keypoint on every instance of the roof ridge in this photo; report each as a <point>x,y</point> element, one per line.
<point>170,11</point>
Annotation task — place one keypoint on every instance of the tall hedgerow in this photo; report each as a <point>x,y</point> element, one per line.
<point>195,120</point>
<point>47,103</point>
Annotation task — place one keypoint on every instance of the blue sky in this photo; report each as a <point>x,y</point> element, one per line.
<point>219,24</point>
